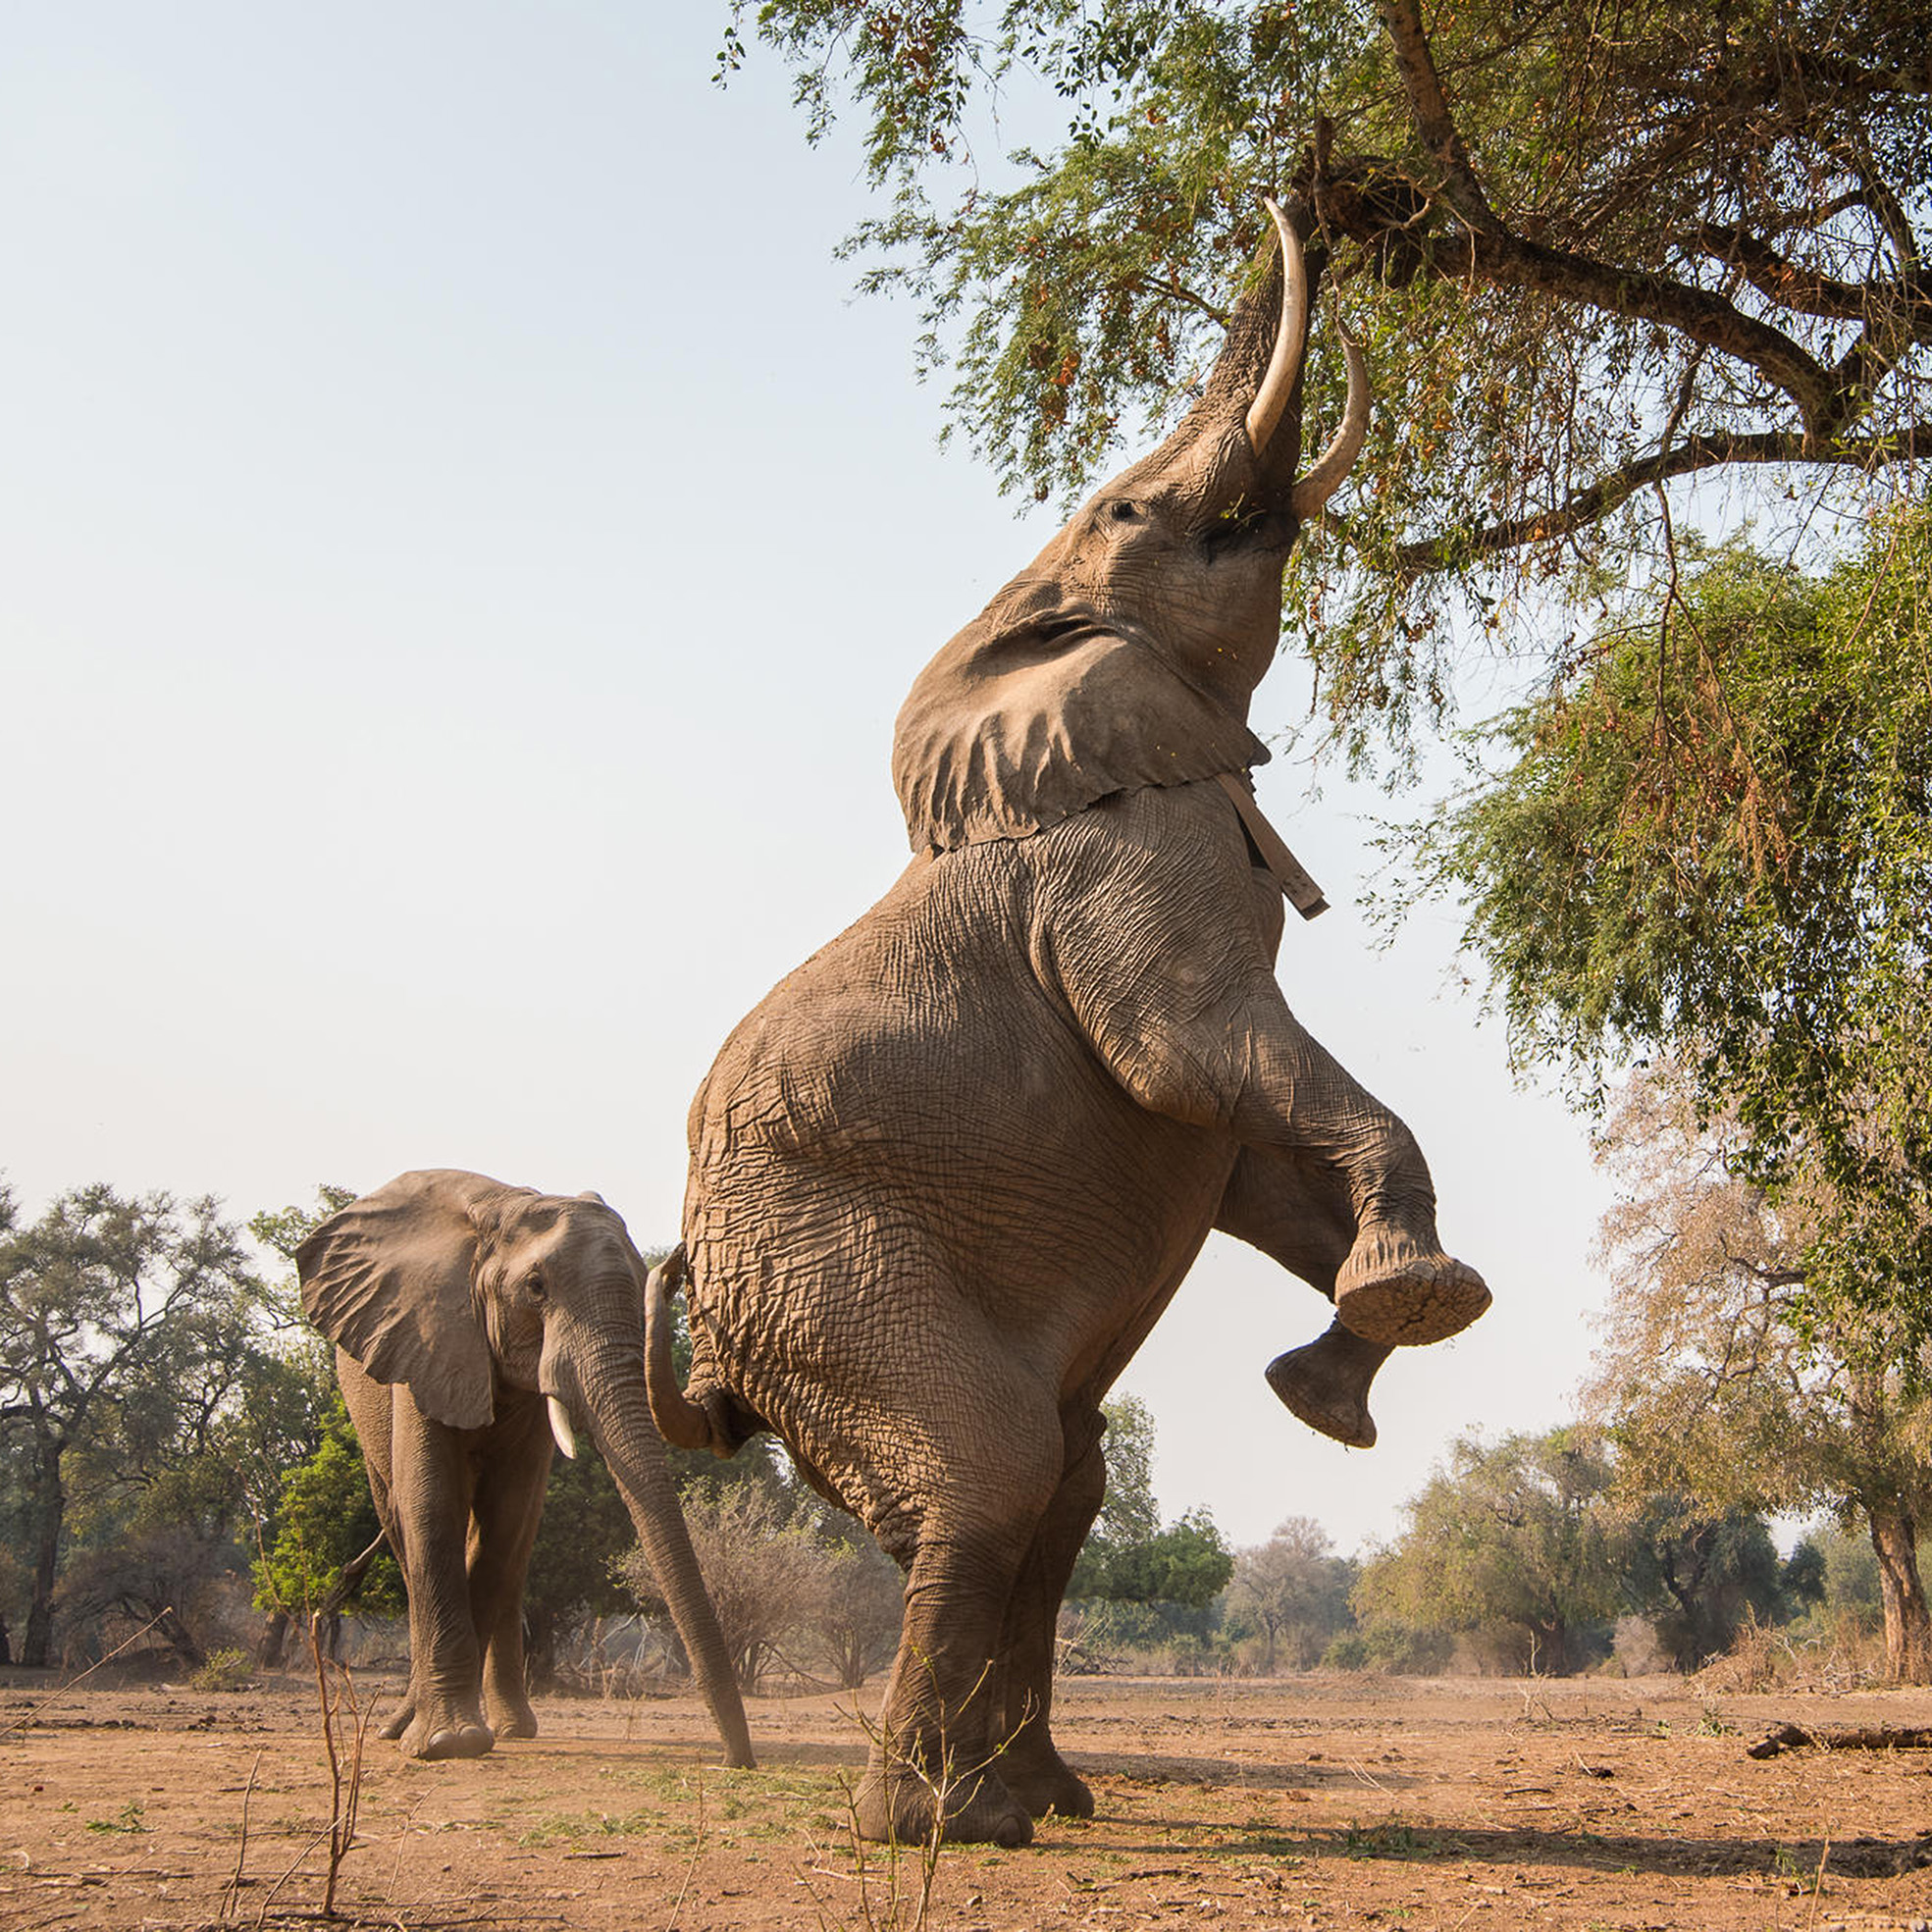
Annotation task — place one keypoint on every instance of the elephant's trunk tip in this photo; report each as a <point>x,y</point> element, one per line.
<point>680,1421</point>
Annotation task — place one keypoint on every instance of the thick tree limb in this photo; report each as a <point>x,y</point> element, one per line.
<point>1607,493</point>
<point>1488,247</point>
<point>1401,21</point>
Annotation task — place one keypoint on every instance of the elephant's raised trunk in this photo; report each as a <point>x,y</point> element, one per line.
<point>680,1421</point>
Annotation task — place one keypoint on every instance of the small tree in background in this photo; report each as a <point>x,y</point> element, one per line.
<point>124,1325</point>
<point>585,1531</point>
<point>1703,1576</point>
<point>854,1630</point>
<point>1511,1545</point>
<point>1721,1377</point>
<point>765,1566</point>
<point>1292,1591</point>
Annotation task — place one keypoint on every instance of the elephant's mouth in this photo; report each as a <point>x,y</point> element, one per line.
<point>1245,531</point>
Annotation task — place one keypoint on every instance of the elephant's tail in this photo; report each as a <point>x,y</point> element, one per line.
<point>681,1422</point>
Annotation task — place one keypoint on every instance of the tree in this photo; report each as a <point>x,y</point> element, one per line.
<point>120,1320</point>
<point>1127,1556</point>
<point>765,1565</point>
<point>1703,1573</point>
<point>324,1519</point>
<point>1713,843</point>
<point>1587,256</point>
<point>1511,1541</point>
<point>1293,1589</point>
<point>586,1527</point>
<point>1721,1377</point>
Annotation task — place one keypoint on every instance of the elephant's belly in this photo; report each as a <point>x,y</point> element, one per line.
<point>930,1132</point>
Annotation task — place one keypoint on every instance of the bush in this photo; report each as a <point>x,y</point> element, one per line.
<point>225,1670</point>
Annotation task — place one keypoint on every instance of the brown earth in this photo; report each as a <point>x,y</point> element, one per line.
<point>1323,1801</point>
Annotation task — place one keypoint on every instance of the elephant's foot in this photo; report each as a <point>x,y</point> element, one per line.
<point>509,1712</point>
<point>1326,1385</point>
<point>897,1807</point>
<point>1042,1780</point>
<point>445,1731</point>
<point>1393,1290</point>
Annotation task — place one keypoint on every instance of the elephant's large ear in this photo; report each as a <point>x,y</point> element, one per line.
<point>1032,714</point>
<point>388,1278</point>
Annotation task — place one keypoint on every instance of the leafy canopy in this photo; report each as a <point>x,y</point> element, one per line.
<point>1588,252</point>
<point>1712,841</point>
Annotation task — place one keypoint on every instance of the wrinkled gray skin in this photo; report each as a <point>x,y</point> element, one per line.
<point>947,1175</point>
<point>462,1310</point>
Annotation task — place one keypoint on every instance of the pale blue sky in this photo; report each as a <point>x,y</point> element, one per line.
<point>461,550</point>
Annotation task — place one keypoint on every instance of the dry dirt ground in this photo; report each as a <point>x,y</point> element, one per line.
<point>1312,1802</point>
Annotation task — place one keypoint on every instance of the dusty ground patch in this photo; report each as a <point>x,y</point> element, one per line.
<point>1316,1801</point>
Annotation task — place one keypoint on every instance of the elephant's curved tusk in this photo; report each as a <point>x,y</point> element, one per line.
<point>1313,489</point>
<point>1284,364</point>
<point>566,1437</point>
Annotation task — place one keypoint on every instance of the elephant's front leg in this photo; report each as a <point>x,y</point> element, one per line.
<point>1296,1210</point>
<point>1394,1285</point>
<point>507,1507</point>
<point>430,1486</point>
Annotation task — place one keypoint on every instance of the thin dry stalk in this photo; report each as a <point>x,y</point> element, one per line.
<point>23,1724</point>
<point>691,1863</point>
<point>231,1892</point>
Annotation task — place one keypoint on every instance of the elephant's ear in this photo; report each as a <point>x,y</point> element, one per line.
<point>388,1278</point>
<point>1028,716</point>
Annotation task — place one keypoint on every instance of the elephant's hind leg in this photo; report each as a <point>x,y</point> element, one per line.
<point>1030,1761</point>
<point>936,1762</point>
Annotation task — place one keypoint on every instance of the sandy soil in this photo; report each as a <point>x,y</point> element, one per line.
<point>1305,1802</point>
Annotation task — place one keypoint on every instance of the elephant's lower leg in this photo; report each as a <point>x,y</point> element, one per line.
<point>1326,1383</point>
<point>1395,1284</point>
<point>933,1756</point>
<point>432,1493</point>
<point>1030,1761</point>
<point>1296,1210</point>
<point>506,1512</point>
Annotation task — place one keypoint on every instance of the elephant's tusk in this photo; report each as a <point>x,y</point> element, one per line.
<point>566,1437</point>
<point>1335,462</point>
<point>1284,364</point>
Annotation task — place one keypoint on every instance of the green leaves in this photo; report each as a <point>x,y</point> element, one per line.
<point>1586,262</point>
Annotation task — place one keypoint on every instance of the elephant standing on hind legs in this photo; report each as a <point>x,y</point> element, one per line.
<point>473,1323</point>
<point>945,1178</point>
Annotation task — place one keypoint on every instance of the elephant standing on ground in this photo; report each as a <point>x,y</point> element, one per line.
<point>474,1321</point>
<point>947,1175</point>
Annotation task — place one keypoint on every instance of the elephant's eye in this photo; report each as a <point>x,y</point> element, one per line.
<point>1124,511</point>
<point>534,1282</point>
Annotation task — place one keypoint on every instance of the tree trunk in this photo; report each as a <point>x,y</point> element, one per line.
<point>49,1509</point>
<point>1907,1624</point>
<point>274,1640</point>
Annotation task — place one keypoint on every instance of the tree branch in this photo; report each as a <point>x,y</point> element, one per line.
<point>1701,452</point>
<point>1401,20</point>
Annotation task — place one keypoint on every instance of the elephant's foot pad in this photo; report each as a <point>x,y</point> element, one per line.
<point>1331,1403</point>
<point>1392,1292</point>
<point>458,1740</point>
